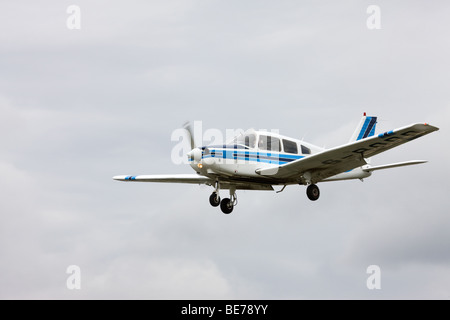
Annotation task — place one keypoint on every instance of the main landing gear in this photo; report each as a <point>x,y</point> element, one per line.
<point>226,204</point>
<point>313,192</point>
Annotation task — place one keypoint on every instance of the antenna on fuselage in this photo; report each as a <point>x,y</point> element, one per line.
<point>303,138</point>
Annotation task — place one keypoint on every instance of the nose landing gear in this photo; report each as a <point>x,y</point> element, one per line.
<point>214,199</point>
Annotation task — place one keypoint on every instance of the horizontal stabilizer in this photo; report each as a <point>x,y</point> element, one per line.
<point>394,165</point>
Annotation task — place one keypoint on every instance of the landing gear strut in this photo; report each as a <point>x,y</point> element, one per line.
<point>313,192</point>
<point>214,198</point>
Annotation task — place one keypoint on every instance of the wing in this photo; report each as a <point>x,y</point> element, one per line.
<point>346,157</point>
<point>225,183</point>
<point>168,178</point>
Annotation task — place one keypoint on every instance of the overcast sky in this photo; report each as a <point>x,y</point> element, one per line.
<point>80,106</point>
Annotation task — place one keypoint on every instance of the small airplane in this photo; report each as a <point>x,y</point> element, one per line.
<point>259,160</point>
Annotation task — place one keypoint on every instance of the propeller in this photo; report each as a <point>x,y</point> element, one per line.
<point>190,132</point>
<point>195,153</point>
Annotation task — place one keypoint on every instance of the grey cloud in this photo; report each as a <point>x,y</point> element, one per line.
<point>81,106</point>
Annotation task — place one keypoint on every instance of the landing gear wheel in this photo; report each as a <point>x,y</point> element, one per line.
<point>226,206</point>
<point>313,192</point>
<point>214,199</point>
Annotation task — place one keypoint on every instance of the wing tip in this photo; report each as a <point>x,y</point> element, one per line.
<point>427,126</point>
<point>123,178</point>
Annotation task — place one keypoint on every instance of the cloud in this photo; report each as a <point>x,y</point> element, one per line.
<point>79,107</point>
<point>159,278</point>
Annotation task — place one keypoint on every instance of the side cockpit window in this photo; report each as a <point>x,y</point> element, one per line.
<point>290,146</point>
<point>250,140</point>
<point>269,143</point>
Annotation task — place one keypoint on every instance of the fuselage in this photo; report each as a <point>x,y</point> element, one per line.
<point>240,158</point>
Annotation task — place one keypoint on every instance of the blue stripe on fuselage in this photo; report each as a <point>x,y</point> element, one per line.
<point>266,157</point>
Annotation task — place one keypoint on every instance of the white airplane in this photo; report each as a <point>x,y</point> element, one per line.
<point>259,160</point>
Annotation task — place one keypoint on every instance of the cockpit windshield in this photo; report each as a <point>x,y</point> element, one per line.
<point>248,140</point>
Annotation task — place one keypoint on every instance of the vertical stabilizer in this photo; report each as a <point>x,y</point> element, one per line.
<point>365,128</point>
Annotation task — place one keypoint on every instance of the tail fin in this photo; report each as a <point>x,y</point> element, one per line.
<point>366,128</point>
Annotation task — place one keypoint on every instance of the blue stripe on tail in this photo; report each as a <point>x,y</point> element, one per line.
<point>368,128</point>
<point>364,128</point>
<point>371,128</point>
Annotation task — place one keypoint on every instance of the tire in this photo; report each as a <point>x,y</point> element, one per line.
<point>226,206</point>
<point>313,192</point>
<point>214,200</point>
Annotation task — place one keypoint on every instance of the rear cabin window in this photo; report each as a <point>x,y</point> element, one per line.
<point>269,143</point>
<point>290,146</point>
<point>306,150</point>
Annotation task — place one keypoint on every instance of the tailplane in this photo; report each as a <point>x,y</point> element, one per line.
<point>393,165</point>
